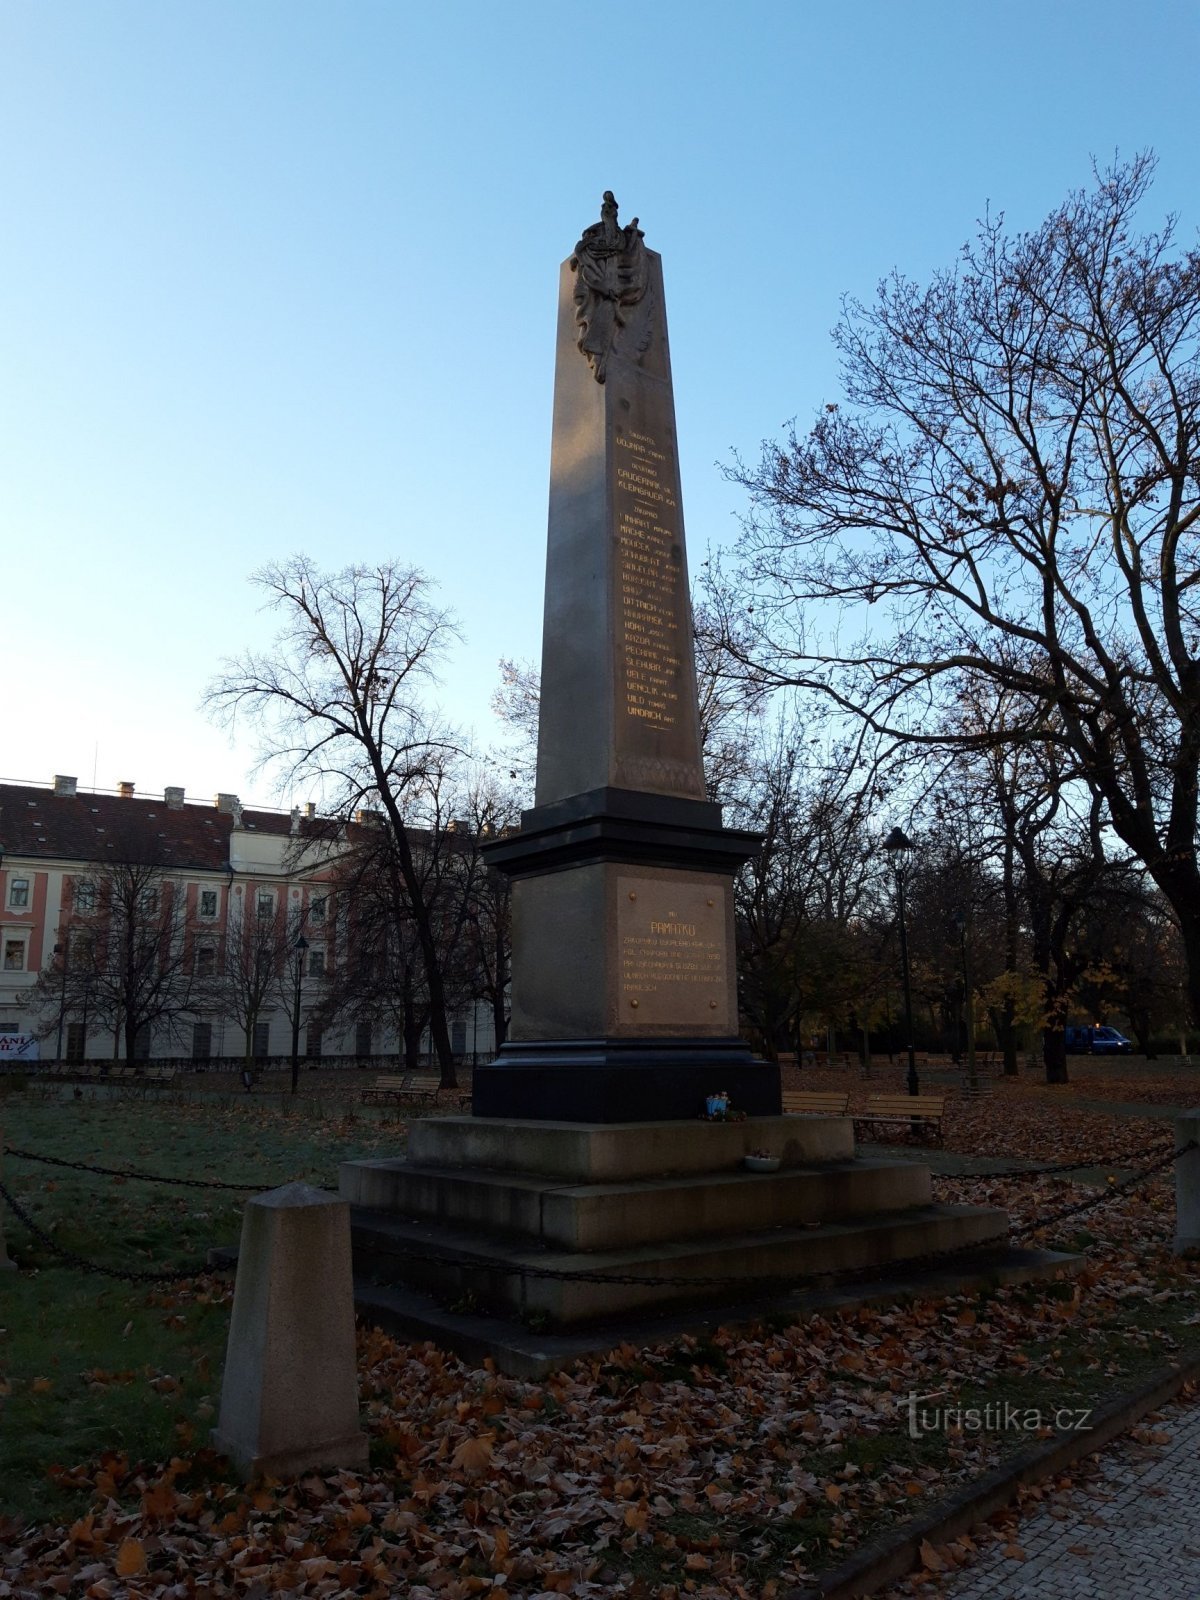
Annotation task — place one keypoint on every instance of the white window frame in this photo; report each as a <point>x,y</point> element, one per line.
<point>83,895</point>
<point>317,906</point>
<point>316,953</point>
<point>22,942</point>
<point>23,903</point>
<point>265,898</point>
<point>208,916</point>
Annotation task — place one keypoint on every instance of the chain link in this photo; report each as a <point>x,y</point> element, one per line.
<point>131,1172</point>
<point>124,1274</point>
<point>1109,1193</point>
<point>1046,1171</point>
<point>639,1280</point>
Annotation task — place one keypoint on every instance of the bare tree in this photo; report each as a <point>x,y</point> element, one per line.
<point>1013,494</point>
<point>126,959</point>
<point>256,951</point>
<point>338,698</point>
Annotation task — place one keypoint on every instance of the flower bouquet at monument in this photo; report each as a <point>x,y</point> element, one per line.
<point>717,1108</point>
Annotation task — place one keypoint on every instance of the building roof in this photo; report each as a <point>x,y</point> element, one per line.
<point>36,822</point>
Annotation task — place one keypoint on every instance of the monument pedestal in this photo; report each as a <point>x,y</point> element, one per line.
<point>625,983</point>
<point>604,1080</point>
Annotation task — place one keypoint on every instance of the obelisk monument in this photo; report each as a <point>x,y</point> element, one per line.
<point>624,990</point>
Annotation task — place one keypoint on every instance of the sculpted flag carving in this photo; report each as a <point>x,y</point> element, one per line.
<point>611,275</point>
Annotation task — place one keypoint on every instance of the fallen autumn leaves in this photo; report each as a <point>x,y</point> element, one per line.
<point>728,1468</point>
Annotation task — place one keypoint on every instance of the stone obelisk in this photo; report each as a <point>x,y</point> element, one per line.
<point>624,990</point>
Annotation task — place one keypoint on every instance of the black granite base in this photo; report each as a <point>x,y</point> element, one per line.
<point>623,1080</point>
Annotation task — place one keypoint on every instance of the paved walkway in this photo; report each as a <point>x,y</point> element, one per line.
<point>1132,1531</point>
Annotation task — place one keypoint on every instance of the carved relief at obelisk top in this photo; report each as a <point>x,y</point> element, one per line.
<point>611,276</point>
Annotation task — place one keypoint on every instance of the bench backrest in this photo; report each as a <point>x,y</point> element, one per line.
<point>800,1101</point>
<point>908,1105</point>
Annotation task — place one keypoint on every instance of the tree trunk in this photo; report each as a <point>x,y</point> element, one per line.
<point>499,1017</point>
<point>1139,1021</point>
<point>1012,933</point>
<point>1054,1052</point>
<point>412,1035</point>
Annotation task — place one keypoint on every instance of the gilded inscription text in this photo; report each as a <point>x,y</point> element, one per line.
<point>650,579</point>
<point>674,957</point>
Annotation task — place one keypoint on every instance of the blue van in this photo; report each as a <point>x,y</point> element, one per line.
<point>1097,1042</point>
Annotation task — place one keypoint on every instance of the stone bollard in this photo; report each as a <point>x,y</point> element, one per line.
<point>289,1398</point>
<point>7,1264</point>
<point>1187,1185</point>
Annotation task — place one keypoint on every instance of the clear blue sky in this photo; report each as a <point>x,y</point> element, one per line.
<point>281,276</point>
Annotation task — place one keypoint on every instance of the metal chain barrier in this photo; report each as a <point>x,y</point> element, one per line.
<point>125,1274</point>
<point>565,1275</point>
<point>130,1172</point>
<point>1048,1170</point>
<point>1109,1193</point>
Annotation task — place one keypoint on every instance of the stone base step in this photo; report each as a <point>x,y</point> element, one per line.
<point>454,1262</point>
<point>599,1152</point>
<point>533,1352</point>
<point>606,1216</point>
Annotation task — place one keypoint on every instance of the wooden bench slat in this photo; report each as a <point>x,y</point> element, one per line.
<point>802,1103</point>
<point>927,1109</point>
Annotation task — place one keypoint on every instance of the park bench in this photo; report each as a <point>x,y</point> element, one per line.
<point>798,1103</point>
<point>401,1088</point>
<point>388,1086</point>
<point>928,1110</point>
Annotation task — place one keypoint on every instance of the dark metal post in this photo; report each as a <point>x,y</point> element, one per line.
<point>914,1086</point>
<point>61,949</point>
<point>300,947</point>
<point>899,848</point>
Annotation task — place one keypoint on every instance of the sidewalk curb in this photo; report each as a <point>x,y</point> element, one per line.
<point>894,1555</point>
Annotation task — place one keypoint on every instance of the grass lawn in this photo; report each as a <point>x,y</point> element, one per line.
<point>89,1363</point>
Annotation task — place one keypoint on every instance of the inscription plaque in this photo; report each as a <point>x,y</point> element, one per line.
<point>673,953</point>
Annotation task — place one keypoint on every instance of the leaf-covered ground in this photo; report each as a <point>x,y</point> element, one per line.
<point>733,1467</point>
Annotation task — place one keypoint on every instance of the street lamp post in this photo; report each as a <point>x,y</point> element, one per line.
<point>300,946</point>
<point>962,922</point>
<point>61,950</point>
<point>899,847</point>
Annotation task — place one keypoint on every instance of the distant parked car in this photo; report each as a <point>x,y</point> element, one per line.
<point>1098,1042</point>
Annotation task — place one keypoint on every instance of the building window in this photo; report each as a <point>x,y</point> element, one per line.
<point>18,894</point>
<point>266,904</point>
<point>312,1041</point>
<point>262,1040</point>
<point>316,908</point>
<point>149,902</point>
<point>208,904</point>
<point>201,1041</point>
<point>14,955</point>
<point>362,1039</point>
<point>76,1041</point>
<point>316,963</point>
<point>206,960</point>
<point>84,897</point>
<point>141,1043</point>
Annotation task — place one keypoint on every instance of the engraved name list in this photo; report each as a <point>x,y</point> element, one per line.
<point>649,576</point>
